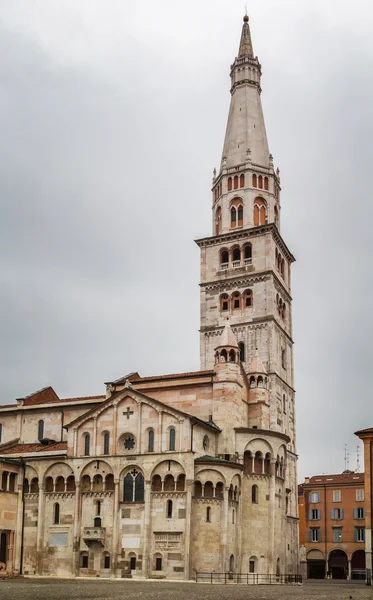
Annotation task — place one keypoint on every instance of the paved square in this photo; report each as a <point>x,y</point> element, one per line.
<point>46,589</point>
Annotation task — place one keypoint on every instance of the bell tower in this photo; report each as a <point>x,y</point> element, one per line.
<point>245,263</point>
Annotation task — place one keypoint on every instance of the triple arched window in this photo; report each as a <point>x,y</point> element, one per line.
<point>236,301</point>
<point>236,182</point>
<point>260,182</point>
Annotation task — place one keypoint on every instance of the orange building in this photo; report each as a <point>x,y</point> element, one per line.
<point>332,515</point>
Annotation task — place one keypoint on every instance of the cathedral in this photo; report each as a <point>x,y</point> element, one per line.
<point>169,475</point>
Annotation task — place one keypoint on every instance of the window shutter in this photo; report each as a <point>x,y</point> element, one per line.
<point>310,535</point>
<point>318,514</point>
<point>332,514</point>
<point>363,511</point>
<point>310,497</point>
<point>341,513</point>
<point>355,513</point>
<point>319,535</point>
<point>355,535</point>
<point>310,514</point>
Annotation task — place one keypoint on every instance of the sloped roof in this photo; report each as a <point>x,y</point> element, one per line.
<point>46,395</point>
<point>257,365</point>
<point>228,339</point>
<point>338,478</point>
<point>26,448</point>
<point>135,378</point>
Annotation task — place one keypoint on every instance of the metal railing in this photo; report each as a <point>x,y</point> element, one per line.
<point>247,578</point>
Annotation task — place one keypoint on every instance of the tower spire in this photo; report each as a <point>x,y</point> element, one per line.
<point>246,46</point>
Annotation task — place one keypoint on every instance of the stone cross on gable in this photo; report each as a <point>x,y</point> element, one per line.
<point>128,413</point>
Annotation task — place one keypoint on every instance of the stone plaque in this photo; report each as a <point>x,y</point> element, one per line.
<point>58,539</point>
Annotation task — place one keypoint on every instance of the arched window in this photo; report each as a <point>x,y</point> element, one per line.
<point>252,382</point>
<point>224,259</point>
<point>169,509</point>
<point>139,488</point>
<point>224,303</point>
<point>248,298</point>
<point>1,432</point>
<point>87,440</point>
<point>97,522</point>
<point>229,184</point>
<point>242,180</point>
<point>223,356</point>
<point>260,212</point>
<point>128,488</point>
<point>158,563</point>
<point>133,562</point>
<point>219,490</point>
<point>241,347</point>
<point>284,403</point>
<point>12,482</point>
<point>260,182</point>
<point>232,356</point>
<point>156,483</point>
<point>56,514</point>
<point>4,481</point>
<point>109,482</point>
<point>60,484</point>
<point>106,443</point>
<point>240,216</point>
<point>98,508</point>
<point>236,299</point>
<point>255,182</point>
<point>254,494</point>
<point>40,430</point>
<point>208,514</point>
<point>218,221</point>
<point>233,516</point>
<point>172,439</point>
<point>180,483</point>
<point>197,489</point>
<point>236,255</point>
<point>248,254</point>
<point>266,184</point>
<point>236,182</point>
<point>233,217</point>
<point>208,490</point>
<point>151,441</point>
<point>169,483</point>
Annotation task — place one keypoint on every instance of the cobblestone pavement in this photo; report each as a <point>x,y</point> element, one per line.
<point>53,589</point>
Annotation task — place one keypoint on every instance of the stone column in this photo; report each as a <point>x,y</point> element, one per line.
<point>10,561</point>
<point>18,537</point>
<point>75,442</point>
<point>147,534</point>
<point>239,528</point>
<point>40,530</point>
<point>181,435</point>
<point>188,523</point>
<point>77,526</point>
<point>253,464</point>
<point>115,527</point>
<point>349,570</point>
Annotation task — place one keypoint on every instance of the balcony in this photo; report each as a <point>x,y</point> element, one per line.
<point>236,264</point>
<point>94,535</point>
<point>224,265</point>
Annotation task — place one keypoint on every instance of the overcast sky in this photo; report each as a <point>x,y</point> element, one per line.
<point>112,117</point>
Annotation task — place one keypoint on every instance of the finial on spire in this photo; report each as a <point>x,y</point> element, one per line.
<point>246,47</point>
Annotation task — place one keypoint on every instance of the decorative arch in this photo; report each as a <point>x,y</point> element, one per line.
<point>248,299</point>
<point>133,485</point>
<point>236,301</point>
<point>248,253</point>
<point>236,209</point>
<point>224,258</point>
<point>229,184</point>
<point>224,303</point>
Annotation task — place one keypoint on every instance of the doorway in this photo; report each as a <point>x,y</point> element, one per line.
<point>3,544</point>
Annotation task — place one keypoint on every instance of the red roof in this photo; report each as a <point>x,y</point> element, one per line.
<point>45,396</point>
<point>339,478</point>
<point>25,448</point>
<point>79,398</point>
<point>369,430</point>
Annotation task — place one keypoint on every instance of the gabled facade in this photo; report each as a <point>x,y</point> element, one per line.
<point>165,476</point>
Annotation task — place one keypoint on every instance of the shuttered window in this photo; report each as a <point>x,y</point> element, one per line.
<point>314,514</point>
<point>314,534</point>
<point>336,514</point>
<point>314,497</point>
<point>359,513</point>
<point>359,534</point>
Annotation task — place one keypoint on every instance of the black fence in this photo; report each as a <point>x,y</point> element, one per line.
<point>247,578</point>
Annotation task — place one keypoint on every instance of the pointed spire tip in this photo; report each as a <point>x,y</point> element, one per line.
<point>246,18</point>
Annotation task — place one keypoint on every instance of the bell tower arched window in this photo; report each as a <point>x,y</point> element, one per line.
<point>248,254</point>
<point>248,298</point>
<point>236,182</point>
<point>260,212</point>
<point>242,180</point>
<point>241,347</point>
<point>151,441</point>
<point>236,299</point>
<point>233,217</point>
<point>260,182</point>
<point>224,303</point>
<point>229,184</point>
<point>224,259</point>
<point>255,181</point>
<point>106,443</point>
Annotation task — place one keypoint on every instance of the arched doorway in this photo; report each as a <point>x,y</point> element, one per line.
<point>338,564</point>
<point>315,565</point>
<point>358,565</point>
